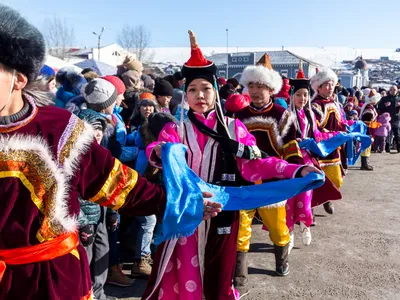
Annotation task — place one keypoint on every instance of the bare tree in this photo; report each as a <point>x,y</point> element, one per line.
<point>59,37</point>
<point>136,39</point>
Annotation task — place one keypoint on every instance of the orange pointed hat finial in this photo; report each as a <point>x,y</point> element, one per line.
<point>300,72</point>
<point>197,58</point>
<point>265,61</point>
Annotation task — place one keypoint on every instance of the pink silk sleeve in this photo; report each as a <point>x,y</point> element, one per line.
<point>261,169</point>
<point>168,134</point>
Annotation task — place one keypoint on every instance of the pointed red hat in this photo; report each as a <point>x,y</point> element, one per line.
<point>300,72</point>
<point>198,66</point>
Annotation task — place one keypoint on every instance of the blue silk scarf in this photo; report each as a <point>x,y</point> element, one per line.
<point>185,206</point>
<point>356,139</point>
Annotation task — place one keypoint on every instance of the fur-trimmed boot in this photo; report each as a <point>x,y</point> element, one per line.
<point>365,166</point>
<point>282,260</point>
<point>241,273</point>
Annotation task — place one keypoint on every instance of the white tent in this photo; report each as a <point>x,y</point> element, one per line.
<point>57,63</point>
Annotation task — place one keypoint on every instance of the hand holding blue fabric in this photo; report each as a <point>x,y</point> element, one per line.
<point>185,206</point>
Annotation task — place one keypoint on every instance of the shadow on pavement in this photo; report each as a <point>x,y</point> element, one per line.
<point>257,271</point>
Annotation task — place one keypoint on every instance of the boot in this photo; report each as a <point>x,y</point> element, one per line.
<point>365,166</point>
<point>141,268</point>
<point>329,208</point>
<point>117,277</point>
<point>282,260</point>
<point>241,273</point>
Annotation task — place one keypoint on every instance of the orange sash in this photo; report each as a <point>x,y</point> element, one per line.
<point>48,250</point>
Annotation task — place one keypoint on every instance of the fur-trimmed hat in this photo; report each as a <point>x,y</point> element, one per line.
<point>323,75</point>
<point>22,46</point>
<point>99,94</point>
<point>373,97</point>
<point>262,75</point>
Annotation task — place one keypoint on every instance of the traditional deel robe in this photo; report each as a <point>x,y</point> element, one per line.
<point>273,127</point>
<point>329,118</point>
<point>47,159</point>
<point>369,116</point>
<point>204,263</point>
<point>298,208</point>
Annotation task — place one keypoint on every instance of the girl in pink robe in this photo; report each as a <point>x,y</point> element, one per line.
<point>203,264</point>
<point>298,208</point>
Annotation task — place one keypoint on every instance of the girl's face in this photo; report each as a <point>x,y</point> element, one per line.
<point>201,95</point>
<point>146,111</point>
<point>164,100</point>
<point>300,98</point>
<point>98,133</point>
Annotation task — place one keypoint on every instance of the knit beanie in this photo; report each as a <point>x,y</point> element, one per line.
<point>131,78</point>
<point>117,83</point>
<point>163,88</point>
<point>47,72</point>
<point>157,121</point>
<point>221,81</point>
<point>22,46</point>
<point>130,63</point>
<point>99,94</point>
<point>93,118</point>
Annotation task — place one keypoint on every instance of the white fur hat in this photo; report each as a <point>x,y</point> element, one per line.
<point>372,97</point>
<point>262,75</point>
<point>323,75</point>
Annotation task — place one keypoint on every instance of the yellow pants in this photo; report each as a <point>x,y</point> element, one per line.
<point>273,218</point>
<point>366,152</point>
<point>334,173</point>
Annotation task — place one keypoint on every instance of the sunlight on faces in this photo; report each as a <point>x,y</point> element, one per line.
<point>120,98</point>
<point>300,98</point>
<point>201,95</point>
<point>326,89</point>
<point>164,100</point>
<point>260,94</point>
<point>146,110</point>
<point>5,84</point>
<point>393,90</point>
<point>98,133</point>
<point>13,104</point>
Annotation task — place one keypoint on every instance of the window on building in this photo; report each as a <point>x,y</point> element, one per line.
<point>240,59</point>
<point>284,72</point>
<point>234,59</point>
<point>222,74</point>
<point>246,59</point>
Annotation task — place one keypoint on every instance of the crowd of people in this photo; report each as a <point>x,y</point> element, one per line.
<point>82,153</point>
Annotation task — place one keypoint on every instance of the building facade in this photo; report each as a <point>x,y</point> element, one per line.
<point>284,62</point>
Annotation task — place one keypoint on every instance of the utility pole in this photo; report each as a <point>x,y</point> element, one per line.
<point>227,53</point>
<point>99,42</point>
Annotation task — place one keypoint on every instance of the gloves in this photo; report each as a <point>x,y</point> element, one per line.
<point>86,234</point>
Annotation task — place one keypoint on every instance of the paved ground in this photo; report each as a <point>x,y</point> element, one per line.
<point>355,254</point>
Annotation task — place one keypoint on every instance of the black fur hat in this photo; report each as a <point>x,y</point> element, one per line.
<point>22,46</point>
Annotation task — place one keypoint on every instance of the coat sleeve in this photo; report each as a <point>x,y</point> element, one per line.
<point>261,169</point>
<point>291,149</point>
<point>104,180</point>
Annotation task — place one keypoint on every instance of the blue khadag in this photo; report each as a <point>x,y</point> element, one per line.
<point>184,208</point>
<point>356,133</point>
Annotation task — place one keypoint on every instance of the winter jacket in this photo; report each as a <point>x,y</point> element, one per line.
<point>176,100</point>
<point>125,141</point>
<point>390,105</point>
<point>89,213</point>
<point>63,96</point>
<point>385,128</point>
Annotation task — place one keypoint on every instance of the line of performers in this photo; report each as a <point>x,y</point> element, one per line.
<point>49,157</point>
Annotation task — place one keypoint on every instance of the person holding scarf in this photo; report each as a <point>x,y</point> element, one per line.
<point>49,157</point>
<point>275,133</point>
<point>298,208</point>
<point>221,151</point>
<point>329,119</point>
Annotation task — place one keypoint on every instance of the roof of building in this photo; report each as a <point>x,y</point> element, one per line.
<point>284,57</point>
